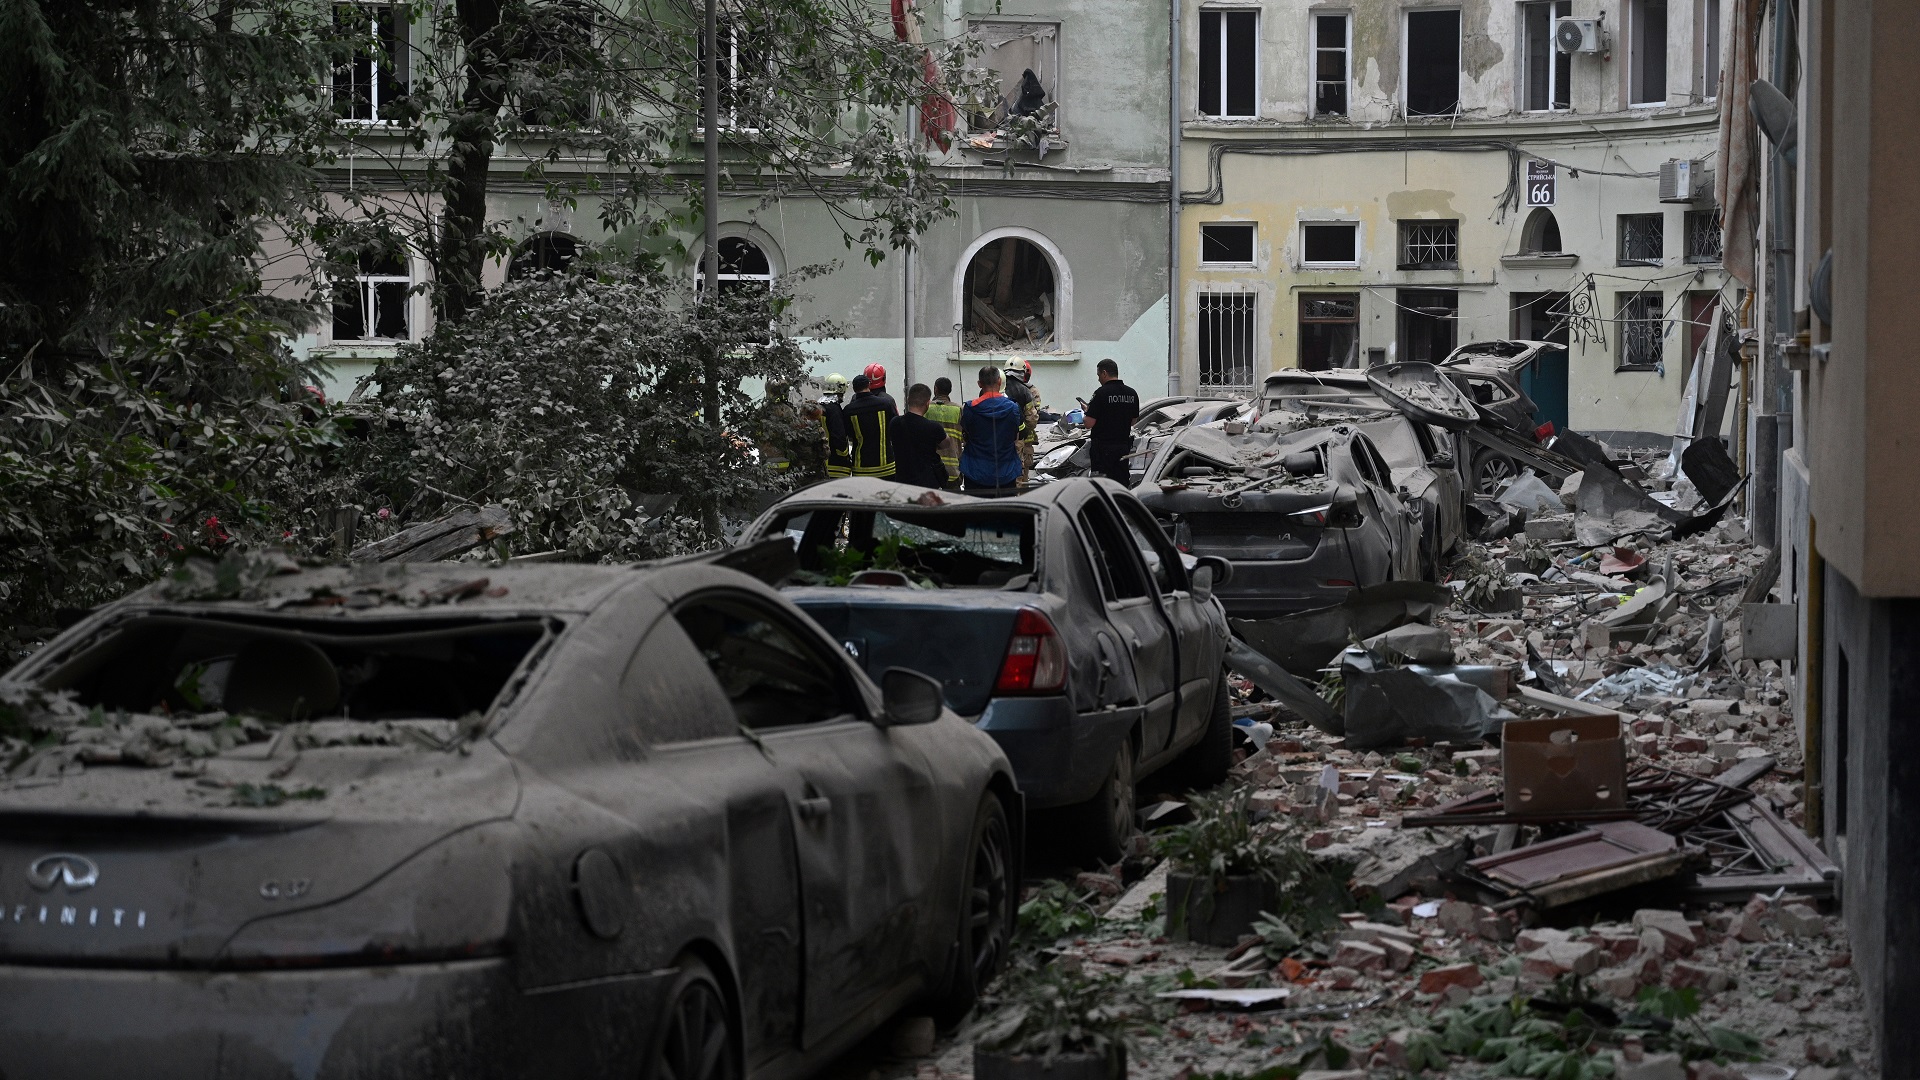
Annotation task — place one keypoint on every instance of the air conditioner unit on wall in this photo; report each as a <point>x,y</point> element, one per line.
<point>1685,181</point>
<point>1573,35</point>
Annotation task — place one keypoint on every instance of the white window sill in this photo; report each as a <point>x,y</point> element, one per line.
<point>1000,355</point>
<point>1330,266</point>
<point>1204,265</point>
<point>1525,259</point>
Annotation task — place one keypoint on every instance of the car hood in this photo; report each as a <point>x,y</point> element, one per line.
<point>164,867</point>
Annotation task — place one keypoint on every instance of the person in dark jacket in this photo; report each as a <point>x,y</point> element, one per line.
<point>869,421</point>
<point>1110,414</point>
<point>990,462</point>
<point>916,442</point>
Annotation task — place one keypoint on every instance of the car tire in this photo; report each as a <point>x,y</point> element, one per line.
<point>1103,824</point>
<point>1205,763</point>
<point>697,1038</point>
<point>1490,468</point>
<point>989,905</point>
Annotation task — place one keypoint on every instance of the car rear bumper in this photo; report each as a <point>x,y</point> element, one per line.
<point>1059,757</point>
<point>460,1018</point>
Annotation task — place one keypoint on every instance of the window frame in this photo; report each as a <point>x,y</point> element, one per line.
<point>1636,53</point>
<point>400,57</point>
<point>1223,11</point>
<point>1128,555</point>
<point>1406,56</point>
<point>1558,63</point>
<point>1622,231</point>
<point>1054,128</point>
<point>1228,303</point>
<point>1710,50</point>
<point>1250,264</point>
<point>1692,226</point>
<point>861,707</point>
<point>1623,301</point>
<point>1403,245</point>
<point>1353,227</point>
<point>1346,61</point>
<point>367,284</point>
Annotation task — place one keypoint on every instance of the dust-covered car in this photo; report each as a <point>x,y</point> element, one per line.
<point>1304,513</point>
<point>477,821</point>
<point>1420,455</point>
<point>1069,452</point>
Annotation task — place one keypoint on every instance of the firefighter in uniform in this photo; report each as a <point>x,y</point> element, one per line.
<point>869,420</point>
<point>1019,373</point>
<point>833,425</point>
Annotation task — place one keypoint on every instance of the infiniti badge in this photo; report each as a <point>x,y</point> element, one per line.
<point>76,872</point>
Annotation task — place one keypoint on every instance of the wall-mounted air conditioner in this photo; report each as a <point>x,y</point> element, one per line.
<point>1685,182</point>
<point>1573,35</point>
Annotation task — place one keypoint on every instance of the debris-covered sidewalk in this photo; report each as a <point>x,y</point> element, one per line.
<point>1547,823</point>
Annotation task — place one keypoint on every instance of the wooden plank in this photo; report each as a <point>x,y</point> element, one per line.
<point>1566,706</point>
<point>439,538</point>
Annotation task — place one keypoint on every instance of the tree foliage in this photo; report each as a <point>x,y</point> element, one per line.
<point>574,401</point>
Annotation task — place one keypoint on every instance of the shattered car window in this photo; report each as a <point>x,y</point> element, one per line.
<point>932,549</point>
<point>288,671</point>
<point>773,676</point>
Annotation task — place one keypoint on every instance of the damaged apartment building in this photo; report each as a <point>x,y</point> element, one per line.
<point>1377,182</point>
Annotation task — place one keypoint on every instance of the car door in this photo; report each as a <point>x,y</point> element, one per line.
<point>1197,644</point>
<point>1134,611</point>
<point>1446,480</point>
<point>861,802</point>
<point>1402,522</point>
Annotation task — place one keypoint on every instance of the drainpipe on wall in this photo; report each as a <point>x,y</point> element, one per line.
<point>906,276</point>
<point>1173,199</point>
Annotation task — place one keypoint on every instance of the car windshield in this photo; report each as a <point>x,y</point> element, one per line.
<point>172,665</point>
<point>935,549</point>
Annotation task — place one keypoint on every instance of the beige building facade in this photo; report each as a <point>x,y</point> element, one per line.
<point>1370,183</point>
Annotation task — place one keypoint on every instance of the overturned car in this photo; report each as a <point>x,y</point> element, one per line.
<point>1304,513</point>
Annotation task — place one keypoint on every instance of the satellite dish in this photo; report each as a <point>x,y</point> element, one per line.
<point>1778,117</point>
<point>1569,36</point>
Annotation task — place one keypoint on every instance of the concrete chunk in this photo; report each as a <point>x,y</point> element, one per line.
<point>1561,957</point>
<point>1463,975</point>
<point>1359,956</point>
<point>1678,936</point>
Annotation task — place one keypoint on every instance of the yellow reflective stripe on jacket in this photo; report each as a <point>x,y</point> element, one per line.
<point>948,416</point>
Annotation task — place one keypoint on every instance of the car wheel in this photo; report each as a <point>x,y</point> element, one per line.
<point>696,1040</point>
<point>988,905</point>
<point>1490,470</point>
<point>1105,822</point>
<point>1205,763</point>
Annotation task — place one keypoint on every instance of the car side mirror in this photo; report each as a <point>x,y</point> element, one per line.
<point>1217,571</point>
<point>1200,582</point>
<point>908,697</point>
<point>1441,461</point>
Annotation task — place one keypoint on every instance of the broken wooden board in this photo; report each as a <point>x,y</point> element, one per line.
<point>1751,850</point>
<point>440,538</point>
<point>1609,856</point>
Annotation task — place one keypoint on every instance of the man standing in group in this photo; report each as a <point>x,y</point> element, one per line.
<point>833,421</point>
<point>990,460</point>
<point>1110,416</point>
<point>877,386</point>
<point>943,411</point>
<point>916,442</point>
<point>1019,389</point>
<point>869,419</point>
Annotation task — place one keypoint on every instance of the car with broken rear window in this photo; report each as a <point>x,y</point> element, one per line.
<point>1305,510</point>
<point>477,821</point>
<point>1061,621</point>
<point>1420,455</point>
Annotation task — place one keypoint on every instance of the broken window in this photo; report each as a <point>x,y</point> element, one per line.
<point>742,266</point>
<point>1549,71</point>
<point>544,253</point>
<point>1010,301</point>
<point>1642,239</point>
<point>774,674</point>
<point>1429,245</point>
<point>1023,59</point>
<point>1226,341</point>
<point>1429,321</point>
<point>552,60</point>
<point>1433,63</point>
<point>438,669</point>
<point>1334,243</point>
<point>1647,52</point>
<point>1226,243</point>
<point>1229,63</point>
<point>948,548</point>
<point>1541,235</point>
<point>373,305</point>
<point>1643,328</point>
<point>1703,236</point>
<point>1330,68</point>
<point>1329,330</point>
<point>1709,36</point>
<point>375,76</point>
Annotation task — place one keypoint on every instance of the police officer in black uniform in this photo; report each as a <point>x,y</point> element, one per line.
<point>1110,415</point>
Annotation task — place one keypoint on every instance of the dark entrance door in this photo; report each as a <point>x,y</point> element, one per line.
<point>1429,321</point>
<point>1329,331</point>
<point>1545,381</point>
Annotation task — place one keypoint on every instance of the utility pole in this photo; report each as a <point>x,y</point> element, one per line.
<point>710,258</point>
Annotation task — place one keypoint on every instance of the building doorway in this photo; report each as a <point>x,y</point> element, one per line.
<point>1429,324</point>
<point>1545,380</point>
<point>1329,331</point>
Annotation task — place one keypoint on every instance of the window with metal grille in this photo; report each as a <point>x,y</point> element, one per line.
<point>1226,244</point>
<point>1642,239</point>
<point>1226,341</point>
<point>373,305</point>
<point>375,75</point>
<point>1330,65</point>
<point>1703,236</point>
<point>1643,328</point>
<point>1229,63</point>
<point>1429,245</point>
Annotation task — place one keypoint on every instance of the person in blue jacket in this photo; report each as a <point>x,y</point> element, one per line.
<point>990,427</point>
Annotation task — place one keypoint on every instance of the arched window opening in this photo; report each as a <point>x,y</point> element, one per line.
<point>1541,235</point>
<point>545,253</point>
<point>1010,299</point>
<point>743,265</point>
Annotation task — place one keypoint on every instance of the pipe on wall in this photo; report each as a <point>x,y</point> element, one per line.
<point>1174,303</point>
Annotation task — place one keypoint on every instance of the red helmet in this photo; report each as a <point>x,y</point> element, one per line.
<point>876,376</point>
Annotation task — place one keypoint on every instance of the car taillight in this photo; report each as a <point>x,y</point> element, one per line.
<point>1183,536</point>
<point>1317,515</point>
<point>1543,432</point>
<point>1036,661</point>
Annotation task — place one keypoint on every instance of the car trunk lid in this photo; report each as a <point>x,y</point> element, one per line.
<point>958,636</point>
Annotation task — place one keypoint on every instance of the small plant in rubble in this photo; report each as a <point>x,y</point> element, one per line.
<point>1535,554</point>
<point>1055,911</point>
<point>1049,1011</point>
<point>1223,841</point>
<point>1485,578</point>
